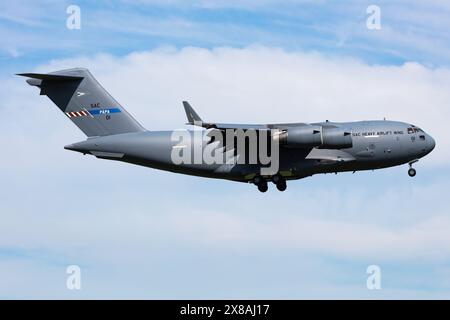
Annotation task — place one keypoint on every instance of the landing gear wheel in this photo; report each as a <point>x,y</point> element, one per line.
<point>263,186</point>
<point>257,180</point>
<point>279,181</point>
<point>412,172</point>
<point>281,186</point>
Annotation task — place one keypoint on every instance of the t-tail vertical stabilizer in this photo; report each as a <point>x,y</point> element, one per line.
<point>84,101</point>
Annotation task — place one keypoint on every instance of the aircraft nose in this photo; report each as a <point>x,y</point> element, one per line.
<point>431,142</point>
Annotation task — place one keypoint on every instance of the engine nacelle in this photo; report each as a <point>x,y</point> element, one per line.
<point>336,138</point>
<point>301,137</point>
<point>310,136</point>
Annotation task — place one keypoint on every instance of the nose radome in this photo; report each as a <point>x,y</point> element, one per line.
<point>431,142</point>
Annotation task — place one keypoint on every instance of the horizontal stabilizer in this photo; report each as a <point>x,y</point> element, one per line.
<point>54,77</point>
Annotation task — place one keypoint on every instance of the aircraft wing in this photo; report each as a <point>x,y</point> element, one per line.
<point>314,138</point>
<point>194,119</point>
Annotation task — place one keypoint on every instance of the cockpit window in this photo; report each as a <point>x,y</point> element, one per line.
<point>414,129</point>
<point>422,137</point>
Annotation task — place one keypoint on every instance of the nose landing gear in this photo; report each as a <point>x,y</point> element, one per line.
<point>412,171</point>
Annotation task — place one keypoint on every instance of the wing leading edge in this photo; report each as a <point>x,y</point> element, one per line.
<point>194,119</point>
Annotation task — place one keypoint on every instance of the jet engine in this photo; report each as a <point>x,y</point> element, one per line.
<point>310,136</point>
<point>336,138</point>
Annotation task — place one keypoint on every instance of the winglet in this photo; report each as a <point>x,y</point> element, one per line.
<point>192,116</point>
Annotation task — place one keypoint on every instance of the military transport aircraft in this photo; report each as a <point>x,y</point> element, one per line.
<point>302,149</point>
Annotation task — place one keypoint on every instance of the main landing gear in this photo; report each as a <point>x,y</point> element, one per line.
<point>412,171</point>
<point>261,183</point>
<point>280,182</point>
<point>277,179</point>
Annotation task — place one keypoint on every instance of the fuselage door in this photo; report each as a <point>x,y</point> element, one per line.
<point>412,134</point>
<point>391,143</point>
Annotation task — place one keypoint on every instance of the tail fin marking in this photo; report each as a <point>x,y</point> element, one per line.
<point>85,102</point>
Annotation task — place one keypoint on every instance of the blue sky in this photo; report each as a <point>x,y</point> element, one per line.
<point>141,233</point>
<point>34,32</point>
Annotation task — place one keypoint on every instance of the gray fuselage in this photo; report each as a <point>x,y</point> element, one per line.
<point>376,144</point>
<point>301,149</point>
